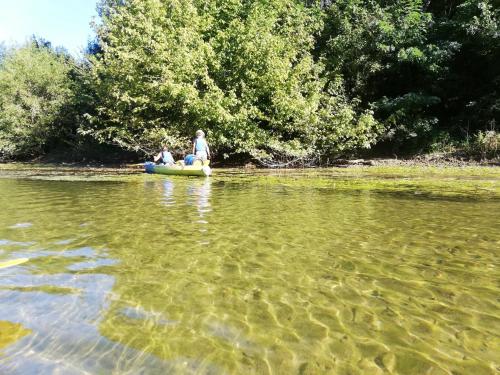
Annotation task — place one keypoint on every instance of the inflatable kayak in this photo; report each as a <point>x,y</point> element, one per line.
<point>178,169</point>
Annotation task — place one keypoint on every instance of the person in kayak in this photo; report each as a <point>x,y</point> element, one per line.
<point>164,157</point>
<point>200,146</point>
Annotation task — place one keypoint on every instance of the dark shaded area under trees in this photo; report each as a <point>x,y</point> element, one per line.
<point>276,81</point>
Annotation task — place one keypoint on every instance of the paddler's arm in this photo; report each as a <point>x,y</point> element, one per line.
<point>157,157</point>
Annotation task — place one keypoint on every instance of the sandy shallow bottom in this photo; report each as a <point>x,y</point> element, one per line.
<point>249,272</point>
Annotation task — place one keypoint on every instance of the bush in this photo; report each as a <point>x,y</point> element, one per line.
<point>242,71</point>
<point>35,100</point>
<point>487,144</point>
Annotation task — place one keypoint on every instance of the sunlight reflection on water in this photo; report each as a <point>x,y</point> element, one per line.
<point>180,275</point>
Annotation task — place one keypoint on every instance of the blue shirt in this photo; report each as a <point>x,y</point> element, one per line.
<point>167,157</point>
<point>200,144</point>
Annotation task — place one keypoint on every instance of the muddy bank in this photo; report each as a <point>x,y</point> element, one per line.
<point>128,163</point>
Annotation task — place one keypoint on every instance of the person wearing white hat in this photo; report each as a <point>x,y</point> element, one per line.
<point>200,146</point>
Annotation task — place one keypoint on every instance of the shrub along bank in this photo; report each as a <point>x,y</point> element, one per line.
<point>276,81</point>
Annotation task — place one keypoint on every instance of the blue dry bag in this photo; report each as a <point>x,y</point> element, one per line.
<point>149,167</point>
<point>189,159</point>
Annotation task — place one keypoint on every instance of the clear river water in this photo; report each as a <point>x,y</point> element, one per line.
<point>167,275</point>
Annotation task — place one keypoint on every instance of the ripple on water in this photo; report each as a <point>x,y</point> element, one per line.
<point>197,276</point>
<point>21,225</point>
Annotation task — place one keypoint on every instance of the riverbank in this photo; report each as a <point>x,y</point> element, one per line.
<point>425,160</point>
<point>118,160</point>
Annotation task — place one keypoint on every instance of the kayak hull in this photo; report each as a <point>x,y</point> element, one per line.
<point>178,170</point>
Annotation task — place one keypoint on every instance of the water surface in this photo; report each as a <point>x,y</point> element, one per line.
<point>161,275</point>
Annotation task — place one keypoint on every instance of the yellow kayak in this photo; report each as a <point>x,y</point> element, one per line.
<point>198,169</point>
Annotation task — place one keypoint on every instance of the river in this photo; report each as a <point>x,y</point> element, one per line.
<point>247,274</point>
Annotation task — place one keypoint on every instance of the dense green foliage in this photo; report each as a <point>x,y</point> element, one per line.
<point>35,99</point>
<point>245,72</point>
<point>284,80</point>
<point>427,68</point>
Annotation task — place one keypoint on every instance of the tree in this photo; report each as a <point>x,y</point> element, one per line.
<point>3,51</point>
<point>428,69</point>
<point>471,87</point>
<point>389,62</point>
<point>35,96</point>
<point>243,70</point>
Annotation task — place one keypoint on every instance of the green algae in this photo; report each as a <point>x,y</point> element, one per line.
<point>483,182</point>
<point>452,182</point>
<point>10,333</point>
